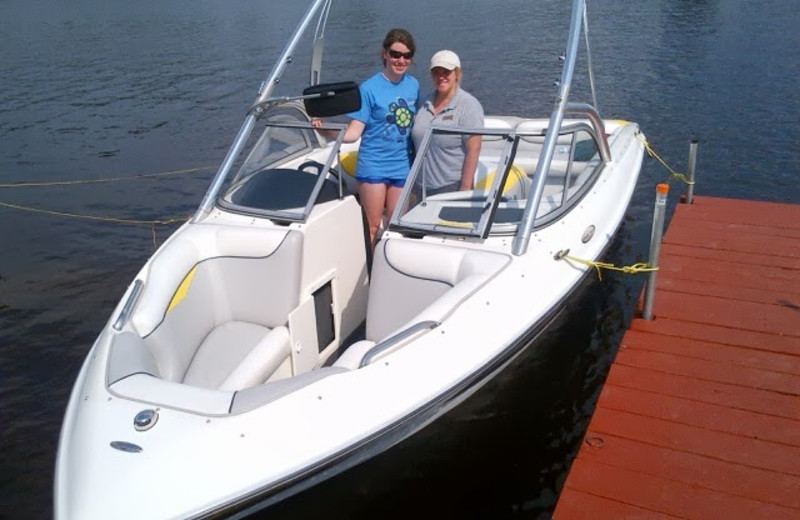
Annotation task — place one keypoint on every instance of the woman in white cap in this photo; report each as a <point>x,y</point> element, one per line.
<point>451,160</point>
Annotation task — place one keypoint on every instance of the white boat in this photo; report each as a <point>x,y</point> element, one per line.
<point>262,350</point>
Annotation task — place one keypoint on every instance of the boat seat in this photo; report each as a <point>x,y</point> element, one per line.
<point>516,186</point>
<point>405,291</point>
<point>497,123</point>
<point>254,397</point>
<point>214,313</point>
<point>132,372</point>
<point>347,163</point>
<point>237,355</point>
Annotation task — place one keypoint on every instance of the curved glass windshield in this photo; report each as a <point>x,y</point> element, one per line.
<point>286,168</point>
<point>503,183</point>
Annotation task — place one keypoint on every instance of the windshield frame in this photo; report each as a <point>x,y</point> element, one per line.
<point>491,199</point>
<point>285,171</point>
<point>499,213</point>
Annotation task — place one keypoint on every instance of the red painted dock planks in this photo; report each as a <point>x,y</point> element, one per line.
<point>700,414</point>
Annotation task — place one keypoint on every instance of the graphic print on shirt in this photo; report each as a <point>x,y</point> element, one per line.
<point>400,116</point>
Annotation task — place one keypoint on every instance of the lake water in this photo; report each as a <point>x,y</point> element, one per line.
<point>95,90</point>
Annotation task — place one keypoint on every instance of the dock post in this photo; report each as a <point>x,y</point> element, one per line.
<point>655,248</point>
<point>690,171</point>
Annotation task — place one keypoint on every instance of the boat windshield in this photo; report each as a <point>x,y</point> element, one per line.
<point>503,181</point>
<point>285,168</point>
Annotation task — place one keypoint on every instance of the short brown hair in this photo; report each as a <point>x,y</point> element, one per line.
<point>401,36</point>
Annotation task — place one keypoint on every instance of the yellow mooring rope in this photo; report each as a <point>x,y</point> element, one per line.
<point>90,217</point>
<point>653,153</point>
<point>99,181</point>
<point>641,267</point>
<point>151,223</point>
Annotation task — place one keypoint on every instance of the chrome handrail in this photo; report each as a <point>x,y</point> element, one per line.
<point>130,303</point>
<point>386,344</point>
<point>597,123</point>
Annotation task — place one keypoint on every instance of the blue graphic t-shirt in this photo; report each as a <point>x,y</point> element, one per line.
<point>387,110</point>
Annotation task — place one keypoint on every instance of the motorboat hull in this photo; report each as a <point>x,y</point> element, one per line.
<point>427,419</point>
<point>397,425</point>
<point>265,348</point>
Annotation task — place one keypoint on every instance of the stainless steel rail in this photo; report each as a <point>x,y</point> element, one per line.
<point>532,207</point>
<point>247,127</point>
<point>593,116</point>
<point>130,303</point>
<point>386,344</point>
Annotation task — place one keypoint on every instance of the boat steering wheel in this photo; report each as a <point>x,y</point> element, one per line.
<point>319,167</point>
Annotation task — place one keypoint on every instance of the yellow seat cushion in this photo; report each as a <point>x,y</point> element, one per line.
<point>515,176</point>
<point>348,162</point>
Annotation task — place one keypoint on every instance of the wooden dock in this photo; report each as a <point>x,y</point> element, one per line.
<point>700,414</point>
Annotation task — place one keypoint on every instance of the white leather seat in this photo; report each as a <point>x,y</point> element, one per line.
<point>351,358</point>
<point>238,355</point>
<point>516,186</point>
<point>406,291</point>
<point>224,326</point>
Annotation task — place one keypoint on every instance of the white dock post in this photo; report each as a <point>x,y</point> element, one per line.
<point>690,171</point>
<point>655,248</point>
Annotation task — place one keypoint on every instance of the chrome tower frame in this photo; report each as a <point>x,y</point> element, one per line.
<point>264,97</point>
<point>563,106</point>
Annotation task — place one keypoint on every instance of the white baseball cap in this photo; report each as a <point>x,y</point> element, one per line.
<point>445,59</point>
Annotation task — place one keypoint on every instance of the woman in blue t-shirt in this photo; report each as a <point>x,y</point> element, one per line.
<point>388,104</point>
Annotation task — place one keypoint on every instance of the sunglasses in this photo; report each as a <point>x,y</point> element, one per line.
<point>397,54</point>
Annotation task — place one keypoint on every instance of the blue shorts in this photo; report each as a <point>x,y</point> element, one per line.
<point>397,183</point>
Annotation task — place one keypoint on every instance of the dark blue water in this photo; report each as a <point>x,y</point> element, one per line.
<point>97,89</point>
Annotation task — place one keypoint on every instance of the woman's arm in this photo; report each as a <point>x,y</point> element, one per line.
<point>354,130</point>
<point>473,146</point>
<point>352,134</point>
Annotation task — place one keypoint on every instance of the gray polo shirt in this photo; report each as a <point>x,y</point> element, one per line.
<point>445,157</point>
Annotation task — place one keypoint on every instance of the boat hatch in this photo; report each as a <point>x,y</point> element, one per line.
<point>504,179</point>
<point>287,167</point>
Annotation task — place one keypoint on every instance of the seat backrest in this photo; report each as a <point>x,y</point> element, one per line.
<point>348,162</point>
<point>409,277</point>
<point>212,276</point>
<point>515,187</point>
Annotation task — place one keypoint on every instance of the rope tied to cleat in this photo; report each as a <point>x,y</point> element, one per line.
<point>637,268</point>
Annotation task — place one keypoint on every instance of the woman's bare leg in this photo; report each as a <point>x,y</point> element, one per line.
<point>392,197</point>
<point>373,198</point>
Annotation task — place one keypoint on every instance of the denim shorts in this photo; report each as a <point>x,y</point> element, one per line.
<point>397,183</point>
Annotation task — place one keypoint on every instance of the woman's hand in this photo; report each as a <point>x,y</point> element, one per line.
<point>353,133</point>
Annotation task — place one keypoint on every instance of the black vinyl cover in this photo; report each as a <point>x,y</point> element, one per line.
<point>345,98</point>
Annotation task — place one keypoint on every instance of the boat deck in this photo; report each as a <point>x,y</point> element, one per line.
<point>700,414</point>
